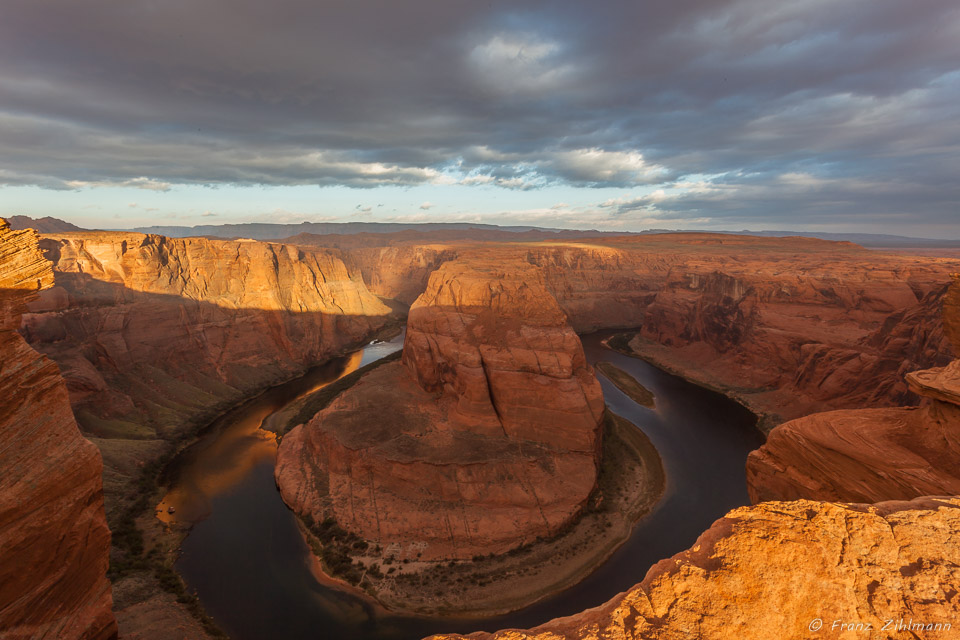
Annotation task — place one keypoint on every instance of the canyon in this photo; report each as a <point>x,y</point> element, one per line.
<point>54,540</point>
<point>155,335</point>
<point>486,436</point>
<point>789,326</point>
<point>799,557</point>
<point>223,317</point>
<point>797,563</point>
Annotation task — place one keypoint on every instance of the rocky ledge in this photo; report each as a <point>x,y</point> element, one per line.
<point>790,570</point>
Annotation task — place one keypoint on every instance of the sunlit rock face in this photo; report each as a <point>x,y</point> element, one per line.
<point>54,540</point>
<point>491,336</point>
<point>152,332</point>
<point>869,455</point>
<point>484,438</point>
<point>789,570</point>
<point>790,325</point>
<point>399,272</point>
<point>795,325</point>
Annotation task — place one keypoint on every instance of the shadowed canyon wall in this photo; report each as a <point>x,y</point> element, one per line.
<point>54,540</point>
<point>484,438</point>
<point>154,334</point>
<point>136,321</point>
<point>869,455</point>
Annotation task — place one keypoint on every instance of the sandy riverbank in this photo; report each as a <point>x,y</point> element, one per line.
<point>630,343</point>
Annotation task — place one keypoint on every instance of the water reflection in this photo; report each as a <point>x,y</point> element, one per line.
<point>236,443</point>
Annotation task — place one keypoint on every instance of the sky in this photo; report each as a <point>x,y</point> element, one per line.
<point>623,115</point>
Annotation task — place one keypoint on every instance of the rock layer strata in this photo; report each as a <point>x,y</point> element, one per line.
<point>150,331</point>
<point>870,455</point>
<point>789,325</point>
<point>54,541</point>
<point>484,438</point>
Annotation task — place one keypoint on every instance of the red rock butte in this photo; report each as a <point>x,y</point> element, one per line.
<point>484,438</point>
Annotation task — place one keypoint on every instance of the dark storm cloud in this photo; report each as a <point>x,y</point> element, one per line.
<point>804,107</point>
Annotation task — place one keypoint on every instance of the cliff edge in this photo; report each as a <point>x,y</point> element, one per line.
<point>54,541</point>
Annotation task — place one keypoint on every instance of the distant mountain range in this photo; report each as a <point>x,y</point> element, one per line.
<point>873,240</point>
<point>43,225</point>
<point>268,231</point>
<point>273,231</point>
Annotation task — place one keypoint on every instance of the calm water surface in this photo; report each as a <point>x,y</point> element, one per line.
<point>246,560</point>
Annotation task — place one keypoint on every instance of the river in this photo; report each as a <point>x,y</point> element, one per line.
<point>247,562</point>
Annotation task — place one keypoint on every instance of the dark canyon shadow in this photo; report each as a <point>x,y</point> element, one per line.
<point>143,365</point>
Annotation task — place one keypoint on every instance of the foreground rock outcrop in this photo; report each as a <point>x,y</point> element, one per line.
<point>772,570</point>
<point>484,438</point>
<point>54,541</point>
<point>870,455</point>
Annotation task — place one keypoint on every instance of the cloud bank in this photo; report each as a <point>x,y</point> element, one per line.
<point>740,110</point>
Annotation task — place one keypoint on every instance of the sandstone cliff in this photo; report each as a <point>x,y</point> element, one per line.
<point>151,332</point>
<point>864,455</point>
<point>771,570</point>
<point>870,455</point>
<point>154,336</point>
<point>789,325</point>
<point>799,325</point>
<point>54,540</point>
<point>400,273</point>
<point>483,439</point>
